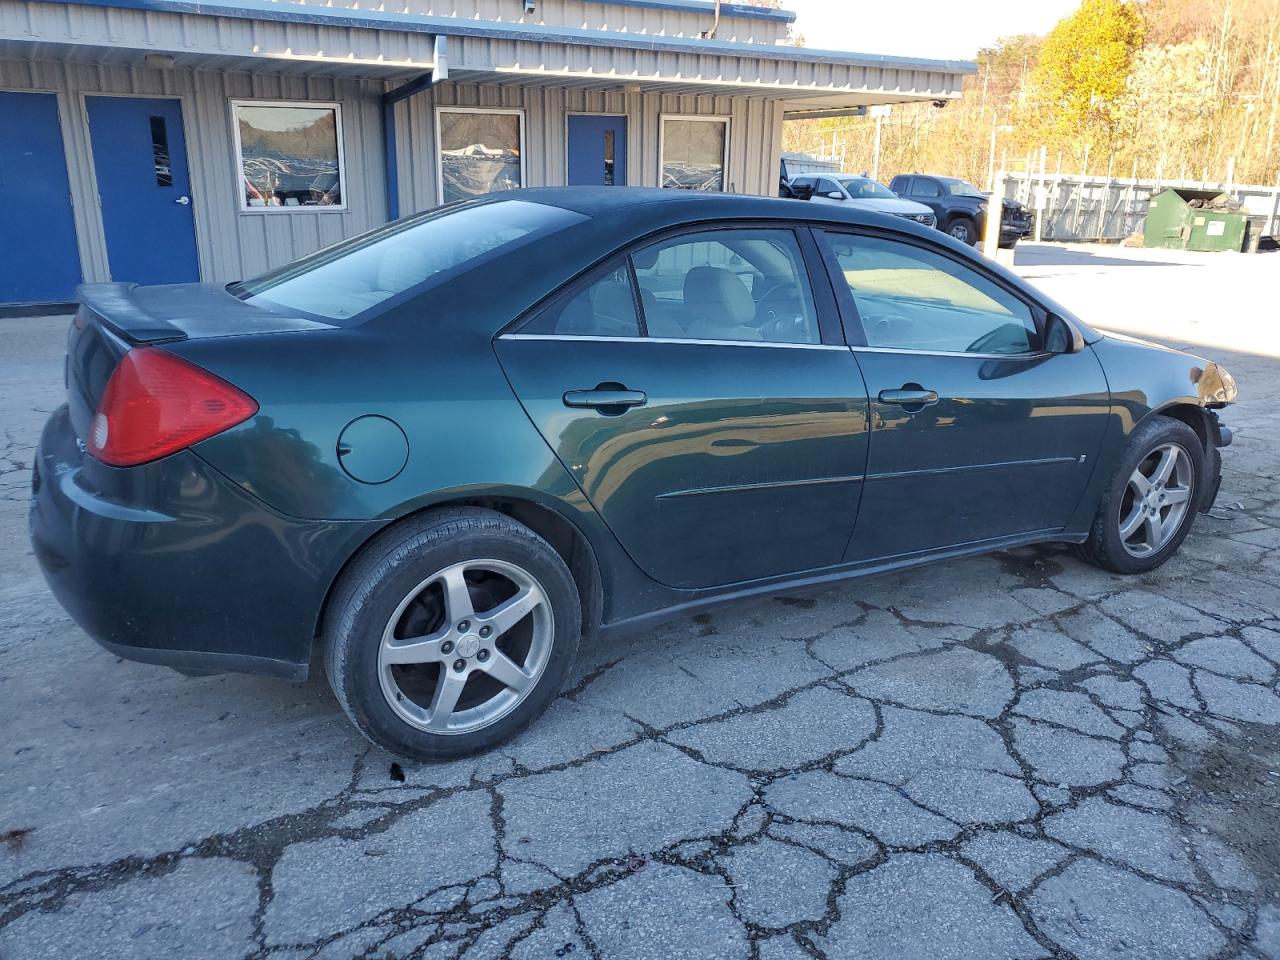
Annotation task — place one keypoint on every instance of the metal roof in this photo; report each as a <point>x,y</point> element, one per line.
<point>707,7</point>
<point>294,12</point>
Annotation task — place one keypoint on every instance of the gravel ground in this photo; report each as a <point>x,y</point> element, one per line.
<point>1010,756</point>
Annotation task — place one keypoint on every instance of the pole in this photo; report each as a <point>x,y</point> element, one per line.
<point>1042,199</point>
<point>1275,210</point>
<point>991,157</point>
<point>995,209</point>
<point>875,158</point>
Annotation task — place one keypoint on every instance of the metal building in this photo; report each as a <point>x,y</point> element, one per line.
<point>173,140</point>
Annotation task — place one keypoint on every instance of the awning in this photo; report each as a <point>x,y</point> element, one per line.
<point>288,35</point>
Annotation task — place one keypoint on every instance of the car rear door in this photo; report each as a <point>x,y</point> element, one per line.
<point>700,393</point>
<point>977,431</point>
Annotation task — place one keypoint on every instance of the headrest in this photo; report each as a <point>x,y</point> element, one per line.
<point>716,293</point>
<point>646,258</point>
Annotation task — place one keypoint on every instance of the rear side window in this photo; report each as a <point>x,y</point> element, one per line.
<point>911,298</point>
<point>924,188</point>
<point>386,265</point>
<point>735,284</point>
<point>604,307</point>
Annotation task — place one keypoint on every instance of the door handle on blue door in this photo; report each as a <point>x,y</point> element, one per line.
<point>610,399</point>
<point>911,395</point>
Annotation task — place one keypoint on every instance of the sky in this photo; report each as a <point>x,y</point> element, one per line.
<point>935,29</point>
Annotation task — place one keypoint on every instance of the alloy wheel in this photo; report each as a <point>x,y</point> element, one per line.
<point>1156,499</point>
<point>960,231</point>
<point>466,646</point>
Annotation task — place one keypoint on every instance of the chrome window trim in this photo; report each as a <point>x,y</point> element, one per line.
<point>1032,355</point>
<point>706,343</point>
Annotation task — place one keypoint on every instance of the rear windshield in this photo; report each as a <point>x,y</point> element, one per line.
<point>399,260</point>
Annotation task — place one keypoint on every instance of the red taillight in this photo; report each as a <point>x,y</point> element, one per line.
<point>156,404</point>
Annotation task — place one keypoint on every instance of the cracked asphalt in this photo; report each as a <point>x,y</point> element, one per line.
<point>1013,756</point>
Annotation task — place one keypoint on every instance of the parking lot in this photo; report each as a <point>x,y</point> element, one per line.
<point>1013,756</point>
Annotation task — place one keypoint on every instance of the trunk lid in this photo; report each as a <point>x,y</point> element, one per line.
<point>113,318</point>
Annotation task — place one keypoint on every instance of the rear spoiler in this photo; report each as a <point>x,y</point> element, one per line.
<point>117,309</point>
<point>141,314</point>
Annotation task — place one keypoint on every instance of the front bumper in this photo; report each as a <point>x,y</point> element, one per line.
<point>171,563</point>
<point>1219,436</point>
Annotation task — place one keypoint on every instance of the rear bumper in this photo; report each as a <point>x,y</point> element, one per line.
<point>171,563</point>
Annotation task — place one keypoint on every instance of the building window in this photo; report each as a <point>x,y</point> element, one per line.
<point>480,151</point>
<point>694,152</point>
<point>290,155</point>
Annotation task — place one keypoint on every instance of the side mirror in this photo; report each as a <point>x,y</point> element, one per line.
<point>836,195</point>
<point>1060,336</point>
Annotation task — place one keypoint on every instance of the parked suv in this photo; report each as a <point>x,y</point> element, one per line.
<point>862,193</point>
<point>961,208</point>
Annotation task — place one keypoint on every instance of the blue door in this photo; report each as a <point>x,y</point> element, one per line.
<point>140,157</point>
<point>39,261</point>
<point>597,151</point>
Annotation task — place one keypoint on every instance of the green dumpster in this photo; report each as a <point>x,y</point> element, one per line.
<point>1195,220</point>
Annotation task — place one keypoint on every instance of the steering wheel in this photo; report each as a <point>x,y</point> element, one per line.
<point>888,329</point>
<point>778,310</point>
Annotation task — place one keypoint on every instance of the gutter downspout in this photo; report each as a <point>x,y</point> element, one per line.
<point>715,25</point>
<point>389,100</point>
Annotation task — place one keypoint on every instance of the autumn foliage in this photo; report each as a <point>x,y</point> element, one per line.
<point>1170,88</point>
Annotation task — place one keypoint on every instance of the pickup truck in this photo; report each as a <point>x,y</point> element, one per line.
<point>961,208</point>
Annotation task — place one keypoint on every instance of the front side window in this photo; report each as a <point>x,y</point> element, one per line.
<point>827,187</point>
<point>289,154</point>
<point>739,284</point>
<point>347,279</point>
<point>693,152</point>
<point>912,298</point>
<point>481,151</point>
<point>961,188</point>
<point>604,307</point>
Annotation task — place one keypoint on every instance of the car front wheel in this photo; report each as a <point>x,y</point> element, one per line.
<point>451,633</point>
<point>963,230</point>
<point>1150,502</point>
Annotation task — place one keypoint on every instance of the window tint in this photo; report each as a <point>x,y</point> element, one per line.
<point>349,278</point>
<point>605,307</point>
<point>924,188</point>
<point>911,298</point>
<point>747,285</point>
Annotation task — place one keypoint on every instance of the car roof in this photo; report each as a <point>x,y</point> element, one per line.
<point>646,208</point>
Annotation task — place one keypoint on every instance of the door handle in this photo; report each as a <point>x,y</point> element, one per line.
<point>911,395</point>
<point>607,398</point>
<point>183,200</point>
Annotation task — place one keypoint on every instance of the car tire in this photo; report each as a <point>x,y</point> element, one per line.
<point>964,230</point>
<point>462,607</point>
<point>1133,531</point>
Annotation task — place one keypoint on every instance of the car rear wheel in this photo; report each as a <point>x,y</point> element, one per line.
<point>964,230</point>
<point>451,633</point>
<point>1150,503</point>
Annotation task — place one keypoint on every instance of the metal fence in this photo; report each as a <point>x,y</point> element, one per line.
<point>1075,207</point>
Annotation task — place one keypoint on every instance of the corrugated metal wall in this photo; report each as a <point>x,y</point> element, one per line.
<point>591,16</point>
<point>232,243</point>
<point>755,133</point>
<point>235,243</point>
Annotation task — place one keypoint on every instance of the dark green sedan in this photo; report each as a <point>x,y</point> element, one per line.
<point>445,451</point>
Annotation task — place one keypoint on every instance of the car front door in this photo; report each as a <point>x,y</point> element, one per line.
<point>828,191</point>
<point>978,432</point>
<point>700,393</point>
